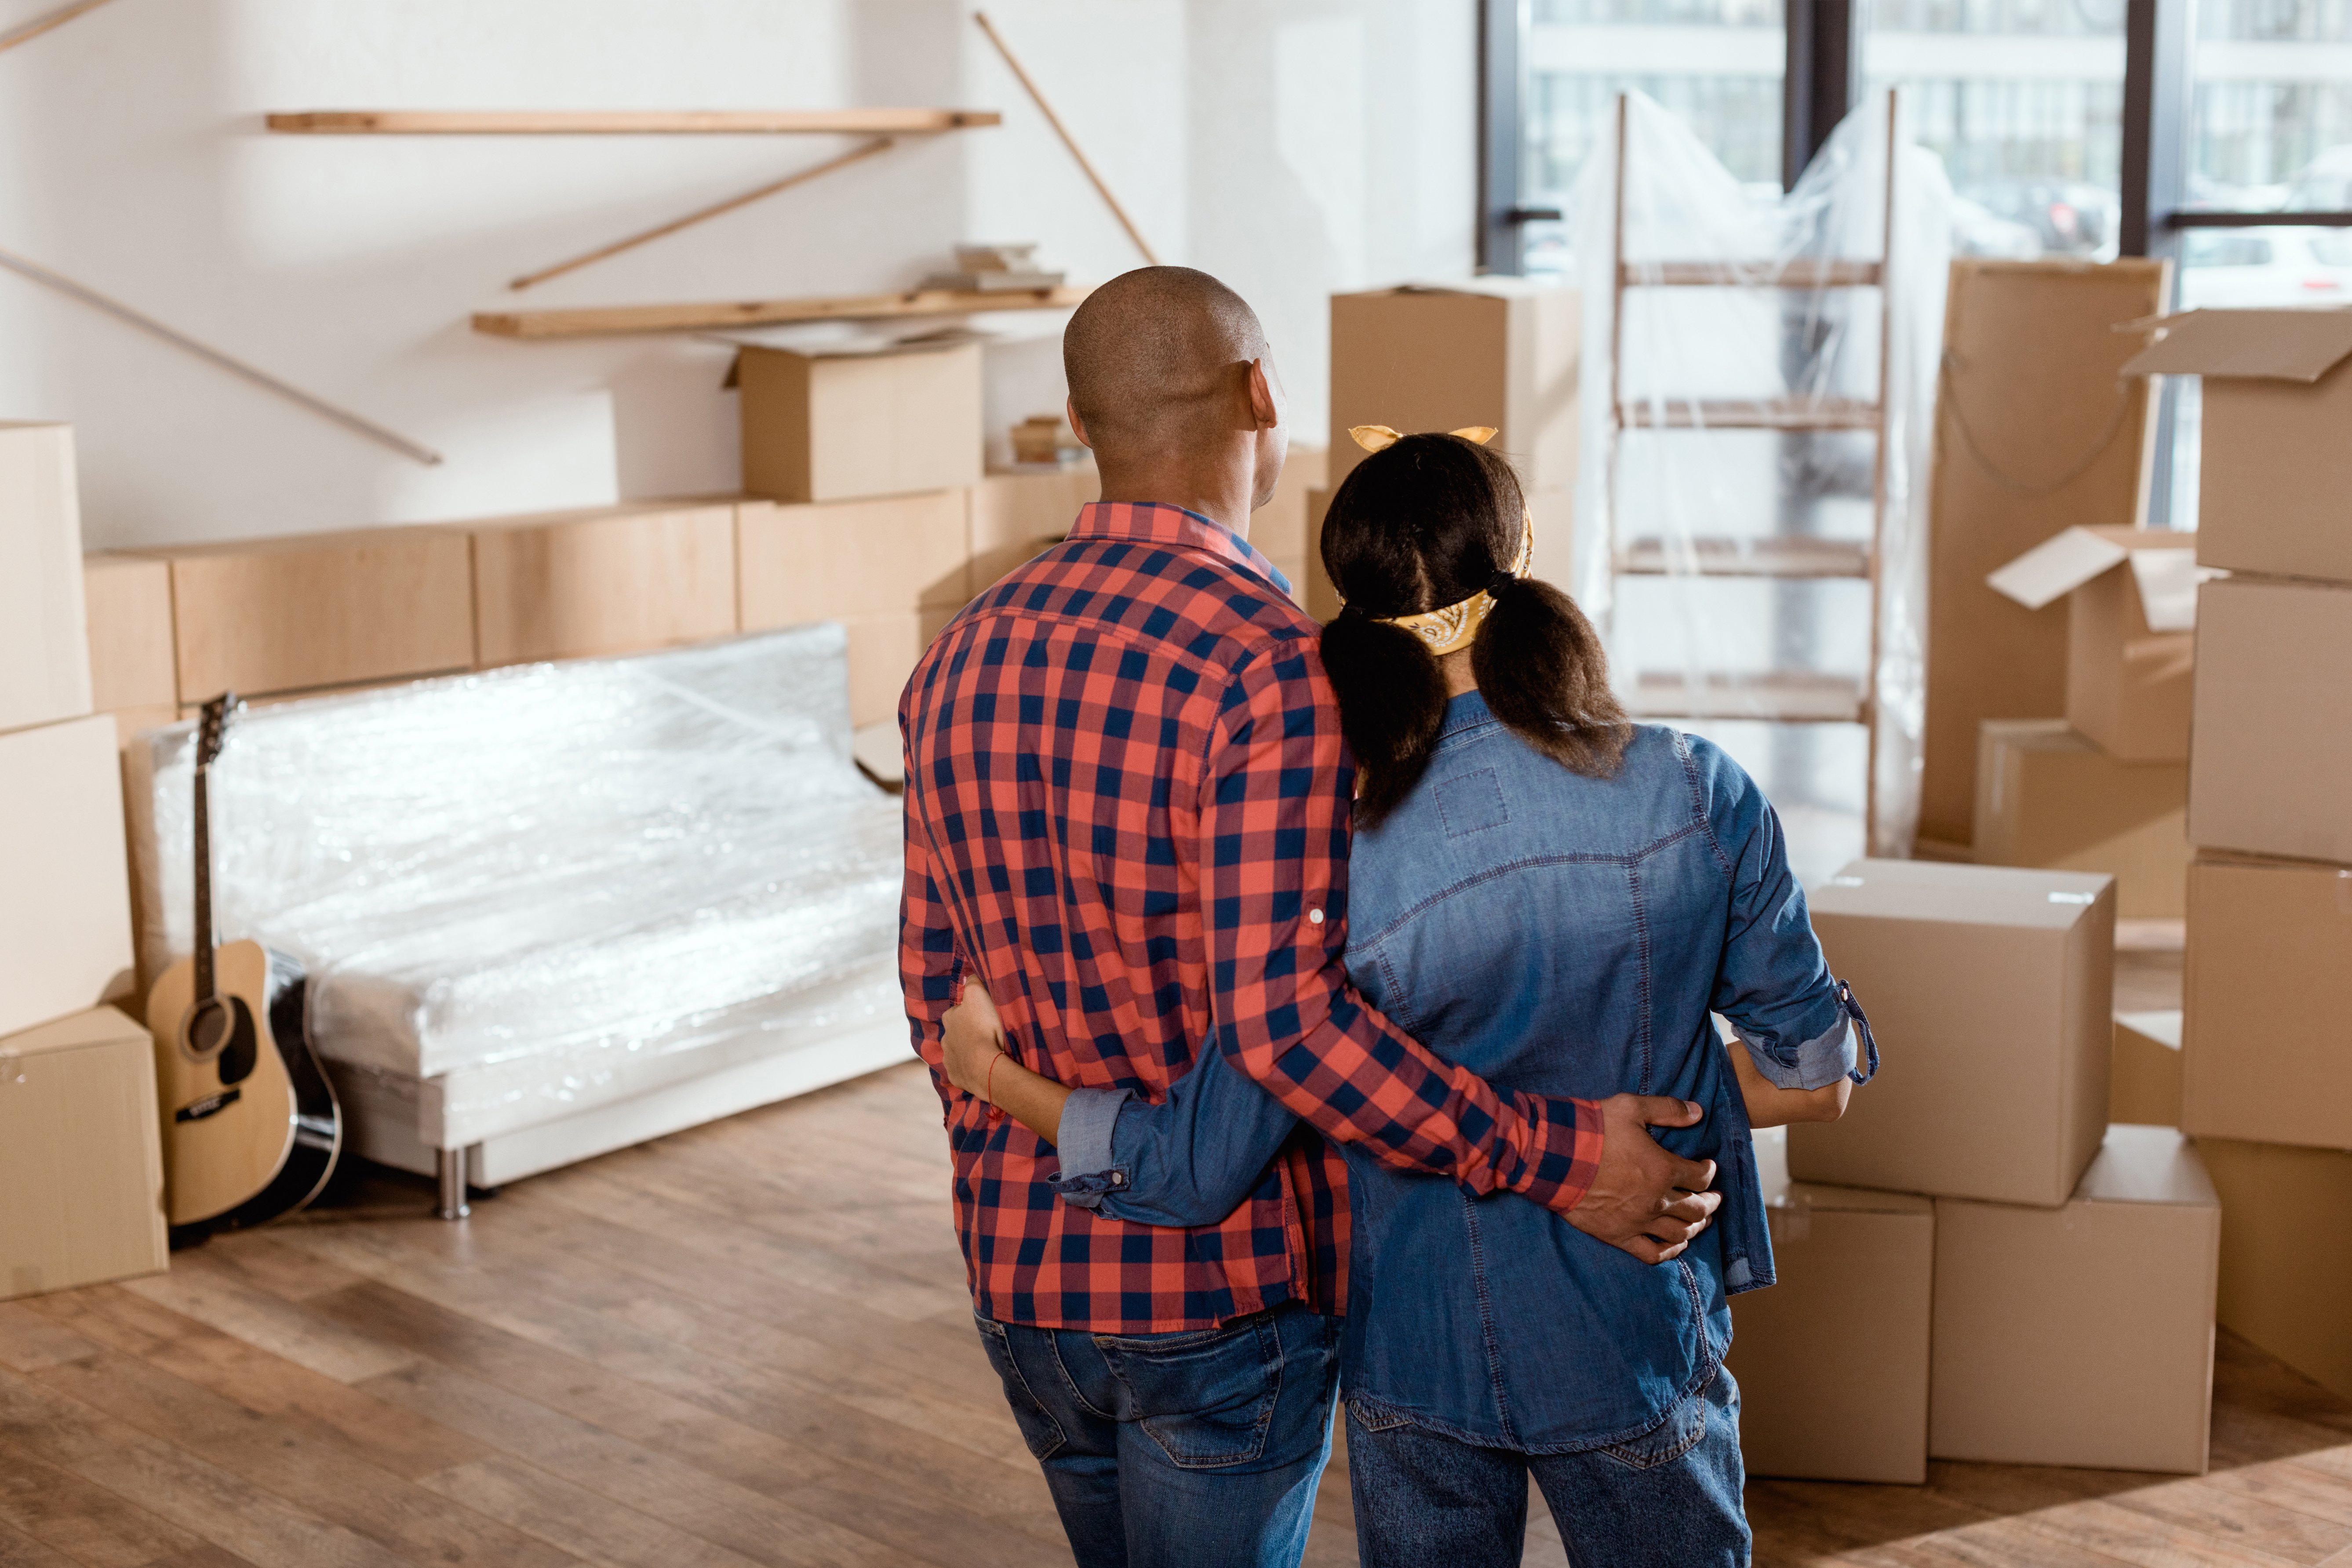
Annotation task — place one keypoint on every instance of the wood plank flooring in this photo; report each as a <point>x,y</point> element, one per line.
<point>751,1344</point>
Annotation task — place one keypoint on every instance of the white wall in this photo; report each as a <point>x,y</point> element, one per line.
<point>1291,146</point>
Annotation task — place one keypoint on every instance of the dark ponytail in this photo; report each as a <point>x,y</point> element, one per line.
<point>1424,523</point>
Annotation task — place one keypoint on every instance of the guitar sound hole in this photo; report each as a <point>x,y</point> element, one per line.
<point>224,1025</point>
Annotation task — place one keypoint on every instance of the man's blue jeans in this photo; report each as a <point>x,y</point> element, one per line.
<point>1199,1449</point>
<point>1670,1499</point>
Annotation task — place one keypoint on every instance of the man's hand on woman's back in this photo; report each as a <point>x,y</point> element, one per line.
<point>1643,1199</point>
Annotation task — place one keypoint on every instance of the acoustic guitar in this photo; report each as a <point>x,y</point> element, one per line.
<point>251,1128</point>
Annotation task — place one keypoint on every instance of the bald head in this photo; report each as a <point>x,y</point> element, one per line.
<point>1161,356</point>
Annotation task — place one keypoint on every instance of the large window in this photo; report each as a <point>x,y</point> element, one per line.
<point>2023,101</point>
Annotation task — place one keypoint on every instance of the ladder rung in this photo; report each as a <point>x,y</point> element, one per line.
<point>1803,273</point>
<point>1766,557</point>
<point>1750,413</point>
<point>1798,697</point>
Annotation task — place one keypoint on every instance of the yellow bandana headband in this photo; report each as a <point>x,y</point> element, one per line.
<point>1451,626</point>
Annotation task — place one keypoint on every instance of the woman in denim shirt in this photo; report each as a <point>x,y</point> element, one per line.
<point>1557,899</point>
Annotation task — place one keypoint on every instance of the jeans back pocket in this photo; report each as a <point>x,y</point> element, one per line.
<point>1207,1399</point>
<point>1038,1428</point>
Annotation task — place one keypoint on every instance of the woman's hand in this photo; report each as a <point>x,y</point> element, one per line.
<point>1769,1105</point>
<point>974,1039</point>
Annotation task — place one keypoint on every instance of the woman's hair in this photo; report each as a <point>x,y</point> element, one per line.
<point>1427,522</point>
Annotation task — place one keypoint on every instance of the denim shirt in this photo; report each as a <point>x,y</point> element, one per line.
<point>1562,935</point>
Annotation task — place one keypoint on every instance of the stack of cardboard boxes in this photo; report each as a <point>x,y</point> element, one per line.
<point>2266,1058</point>
<point>2106,787</point>
<point>1973,1264</point>
<point>81,1161</point>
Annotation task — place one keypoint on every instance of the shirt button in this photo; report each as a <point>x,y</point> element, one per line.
<point>1314,917</point>
<point>1119,1178</point>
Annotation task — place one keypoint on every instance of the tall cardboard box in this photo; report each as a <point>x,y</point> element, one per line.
<point>608,581</point>
<point>2131,622</point>
<point>129,604</point>
<point>2036,431</point>
<point>2082,1335</point>
<point>2266,1054</point>
<point>2272,755</point>
<point>872,421</point>
<point>65,890</point>
<point>1833,1360</point>
<point>2286,1252</point>
<point>318,610</point>
<point>80,1155</point>
<point>44,659</point>
<point>1990,993</point>
<point>2046,796</point>
<point>1500,351</point>
<point>2145,1087</point>
<point>2274,468</point>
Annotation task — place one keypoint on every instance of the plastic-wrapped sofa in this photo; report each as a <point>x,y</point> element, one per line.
<point>554,910</point>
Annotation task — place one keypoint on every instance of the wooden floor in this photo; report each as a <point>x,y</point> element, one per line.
<point>751,1344</point>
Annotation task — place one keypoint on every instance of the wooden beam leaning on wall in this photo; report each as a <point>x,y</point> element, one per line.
<point>616,320</point>
<point>629,122</point>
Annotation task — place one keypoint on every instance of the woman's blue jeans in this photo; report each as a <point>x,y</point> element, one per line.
<point>1671,1498</point>
<point>1198,1450</point>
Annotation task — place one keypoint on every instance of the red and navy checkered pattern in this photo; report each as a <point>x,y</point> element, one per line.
<point>1127,812</point>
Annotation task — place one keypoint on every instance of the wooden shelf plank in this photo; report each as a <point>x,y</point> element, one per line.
<point>1791,697</point>
<point>629,121</point>
<point>1750,413</point>
<point>615,320</point>
<point>1766,557</point>
<point>1801,273</point>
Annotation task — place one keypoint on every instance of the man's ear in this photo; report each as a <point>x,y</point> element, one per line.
<point>1077,425</point>
<point>1265,397</point>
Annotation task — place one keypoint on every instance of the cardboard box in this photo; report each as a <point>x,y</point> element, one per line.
<point>129,601</point>
<point>2034,397</point>
<point>609,581</point>
<point>1492,351</point>
<point>2272,748</point>
<point>2144,1085</point>
<point>320,609</point>
<point>1316,593</point>
<point>2286,1253</point>
<point>1832,1361</point>
<point>2082,1335</point>
<point>2265,1052</point>
<point>2047,797</point>
<point>882,654</point>
<point>1990,992</point>
<point>1278,528</point>
<point>44,656</point>
<point>80,1155</point>
<point>851,560</point>
<point>2131,620</point>
<point>2274,467</point>
<point>878,421</point>
<point>65,918</point>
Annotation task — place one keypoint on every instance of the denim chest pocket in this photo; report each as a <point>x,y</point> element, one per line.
<point>1207,1399</point>
<point>1471,803</point>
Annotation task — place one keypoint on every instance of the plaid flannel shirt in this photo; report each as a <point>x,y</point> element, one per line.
<point>1128,813</point>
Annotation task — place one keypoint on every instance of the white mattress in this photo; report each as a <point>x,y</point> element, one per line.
<point>543,884</point>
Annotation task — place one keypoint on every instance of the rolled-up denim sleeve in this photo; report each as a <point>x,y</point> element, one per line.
<point>1772,983</point>
<point>1189,1160</point>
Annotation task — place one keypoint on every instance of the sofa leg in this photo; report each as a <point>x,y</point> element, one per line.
<point>450,1164</point>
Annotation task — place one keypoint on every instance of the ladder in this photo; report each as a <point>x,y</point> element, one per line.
<point>1795,697</point>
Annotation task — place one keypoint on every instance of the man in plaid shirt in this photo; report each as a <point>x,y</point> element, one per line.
<point>1128,817</point>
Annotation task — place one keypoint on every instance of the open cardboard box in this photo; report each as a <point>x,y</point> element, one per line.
<point>2131,622</point>
<point>2275,466</point>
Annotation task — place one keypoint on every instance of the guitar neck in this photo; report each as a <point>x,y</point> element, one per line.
<point>203,886</point>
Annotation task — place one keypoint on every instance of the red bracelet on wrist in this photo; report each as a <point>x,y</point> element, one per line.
<point>988,1083</point>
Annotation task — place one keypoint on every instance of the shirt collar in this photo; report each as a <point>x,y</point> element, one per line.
<point>1157,523</point>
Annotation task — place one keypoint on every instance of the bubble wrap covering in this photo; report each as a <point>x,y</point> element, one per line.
<point>552,883</point>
